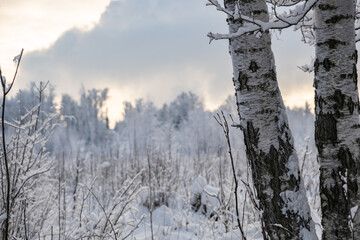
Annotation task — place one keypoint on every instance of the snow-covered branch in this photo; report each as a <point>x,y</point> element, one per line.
<point>216,4</point>
<point>251,25</point>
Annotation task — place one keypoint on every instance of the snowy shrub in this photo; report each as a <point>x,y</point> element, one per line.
<point>204,198</point>
<point>30,167</point>
<point>159,198</point>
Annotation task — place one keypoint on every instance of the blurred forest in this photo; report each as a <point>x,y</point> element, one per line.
<point>74,177</point>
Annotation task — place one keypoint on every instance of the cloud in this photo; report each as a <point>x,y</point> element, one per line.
<point>154,49</point>
<point>37,19</point>
<point>36,24</point>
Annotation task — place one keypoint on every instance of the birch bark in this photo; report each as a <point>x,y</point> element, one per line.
<point>269,143</point>
<point>337,126</point>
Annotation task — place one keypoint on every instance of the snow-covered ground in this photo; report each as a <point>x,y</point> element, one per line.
<point>98,187</point>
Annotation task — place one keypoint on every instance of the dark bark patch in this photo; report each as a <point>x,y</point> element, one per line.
<point>273,165</point>
<point>244,1</point>
<point>316,66</point>
<point>258,12</point>
<point>355,56</point>
<point>276,119</point>
<point>252,134</point>
<point>325,130</point>
<point>339,99</point>
<point>337,18</point>
<point>231,20</point>
<point>332,43</point>
<point>239,51</point>
<point>338,197</point>
<point>243,81</point>
<point>319,101</point>
<point>354,75</point>
<point>356,126</point>
<point>326,7</point>
<point>338,114</point>
<point>346,159</point>
<point>274,168</point>
<point>265,111</point>
<point>282,128</point>
<point>253,66</point>
<point>334,200</point>
<point>264,86</point>
<point>274,93</point>
<point>315,84</point>
<point>327,64</point>
<point>256,50</point>
<point>270,75</point>
<point>351,105</point>
<point>247,51</point>
<point>349,168</point>
<point>229,2</point>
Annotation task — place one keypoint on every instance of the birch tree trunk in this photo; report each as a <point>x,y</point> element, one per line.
<point>269,143</point>
<point>337,127</point>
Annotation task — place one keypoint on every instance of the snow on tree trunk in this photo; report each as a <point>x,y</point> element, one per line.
<point>269,143</point>
<point>337,128</point>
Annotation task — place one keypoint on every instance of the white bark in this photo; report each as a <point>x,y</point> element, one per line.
<point>337,127</point>
<point>269,143</point>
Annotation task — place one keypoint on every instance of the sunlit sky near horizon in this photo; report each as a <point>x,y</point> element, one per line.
<point>151,49</point>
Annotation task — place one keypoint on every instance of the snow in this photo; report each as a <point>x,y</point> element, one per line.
<point>183,223</point>
<point>190,167</point>
<point>354,211</point>
<point>2,218</point>
<point>105,164</point>
<point>293,165</point>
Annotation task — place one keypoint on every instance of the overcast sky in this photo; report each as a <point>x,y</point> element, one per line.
<point>151,49</point>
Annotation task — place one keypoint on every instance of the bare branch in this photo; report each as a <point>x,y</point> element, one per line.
<point>254,25</point>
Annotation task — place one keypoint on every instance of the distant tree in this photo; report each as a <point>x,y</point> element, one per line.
<point>86,120</point>
<point>69,107</point>
<point>179,108</point>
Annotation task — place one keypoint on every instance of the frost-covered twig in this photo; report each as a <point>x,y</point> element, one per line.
<point>104,211</point>
<point>221,120</point>
<point>5,231</point>
<point>27,179</point>
<point>219,7</point>
<point>134,228</point>
<point>252,25</point>
<point>305,156</point>
<point>150,196</point>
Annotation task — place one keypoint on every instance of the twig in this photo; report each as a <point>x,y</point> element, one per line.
<point>134,228</point>
<point>8,193</point>
<point>150,196</point>
<point>225,126</point>
<point>103,209</point>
